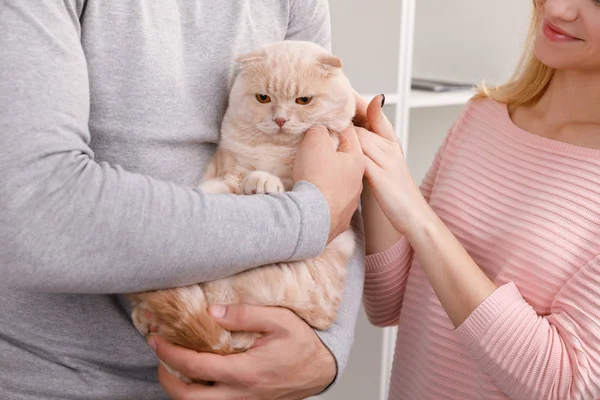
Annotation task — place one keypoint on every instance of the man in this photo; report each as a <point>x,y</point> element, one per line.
<point>109,113</point>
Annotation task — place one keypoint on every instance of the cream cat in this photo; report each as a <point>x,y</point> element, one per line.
<point>283,89</point>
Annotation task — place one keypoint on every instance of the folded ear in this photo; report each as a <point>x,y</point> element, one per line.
<point>329,62</point>
<point>253,56</point>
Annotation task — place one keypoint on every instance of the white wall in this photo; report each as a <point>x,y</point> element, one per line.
<point>365,35</point>
<point>469,39</point>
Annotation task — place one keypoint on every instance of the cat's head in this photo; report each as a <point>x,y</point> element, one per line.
<point>285,88</point>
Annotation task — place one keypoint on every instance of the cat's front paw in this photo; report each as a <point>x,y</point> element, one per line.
<point>259,182</point>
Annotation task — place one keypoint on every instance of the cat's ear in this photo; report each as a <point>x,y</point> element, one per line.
<point>329,62</point>
<point>252,57</point>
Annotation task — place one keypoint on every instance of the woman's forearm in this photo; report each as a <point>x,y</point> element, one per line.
<point>459,283</point>
<point>380,235</point>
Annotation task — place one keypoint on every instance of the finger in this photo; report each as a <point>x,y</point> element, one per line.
<point>378,122</point>
<point>349,141</point>
<point>372,137</point>
<point>373,147</point>
<point>177,389</point>
<point>372,171</point>
<point>317,139</point>
<point>198,366</point>
<point>247,318</point>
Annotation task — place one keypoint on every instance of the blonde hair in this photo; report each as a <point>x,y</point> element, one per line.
<point>530,79</point>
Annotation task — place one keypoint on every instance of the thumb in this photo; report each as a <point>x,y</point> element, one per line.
<point>317,139</point>
<point>247,318</point>
<point>377,120</point>
<point>349,141</point>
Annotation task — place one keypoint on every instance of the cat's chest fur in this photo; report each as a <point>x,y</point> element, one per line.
<point>273,158</point>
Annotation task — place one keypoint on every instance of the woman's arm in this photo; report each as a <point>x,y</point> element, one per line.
<point>527,355</point>
<point>458,282</point>
<point>389,254</point>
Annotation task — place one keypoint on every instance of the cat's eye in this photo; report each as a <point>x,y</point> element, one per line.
<point>303,100</point>
<point>263,98</point>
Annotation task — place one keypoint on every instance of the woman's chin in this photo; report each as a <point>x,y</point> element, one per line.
<point>556,59</point>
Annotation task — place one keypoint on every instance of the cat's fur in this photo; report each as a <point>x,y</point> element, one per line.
<point>255,155</point>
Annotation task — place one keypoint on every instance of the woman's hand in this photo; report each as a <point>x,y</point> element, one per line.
<point>387,172</point>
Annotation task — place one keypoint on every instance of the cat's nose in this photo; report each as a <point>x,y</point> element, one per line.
<point>280,121</point>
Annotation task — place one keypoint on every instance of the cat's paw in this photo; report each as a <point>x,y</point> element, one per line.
<point>143,320</point>
<point>214,186</point>
<point>259,182</point>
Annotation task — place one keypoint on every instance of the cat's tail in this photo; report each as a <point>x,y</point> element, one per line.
<point>181,316</point>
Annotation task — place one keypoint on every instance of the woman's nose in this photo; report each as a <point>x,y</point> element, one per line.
<point>565,10</point>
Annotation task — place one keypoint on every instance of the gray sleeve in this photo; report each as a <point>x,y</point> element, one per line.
<point>310,21</point>
<point>71,224</point>
<point>340,336</point>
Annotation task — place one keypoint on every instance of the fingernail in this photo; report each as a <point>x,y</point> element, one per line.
<point>382,99</point>
<point>217,310</point>
<point>152,343</point>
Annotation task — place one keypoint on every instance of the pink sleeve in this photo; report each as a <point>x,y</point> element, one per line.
<point>385,280</point>
<point>529,356</point>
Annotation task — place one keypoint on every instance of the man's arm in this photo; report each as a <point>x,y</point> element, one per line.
<point>310,20</point>
<point>71,224</point>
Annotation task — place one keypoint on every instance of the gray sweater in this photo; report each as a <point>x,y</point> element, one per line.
<point>109,113</point>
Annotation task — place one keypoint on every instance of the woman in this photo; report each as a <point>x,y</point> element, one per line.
<point>492,270</point>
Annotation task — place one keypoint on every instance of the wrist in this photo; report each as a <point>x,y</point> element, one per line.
<point>327,370</point>
<point>315,219</point>
<point>422,224</point>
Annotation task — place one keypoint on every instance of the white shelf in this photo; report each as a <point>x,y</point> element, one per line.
<point>422,98</point>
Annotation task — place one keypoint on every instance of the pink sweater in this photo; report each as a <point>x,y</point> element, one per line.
<point>527,209</point>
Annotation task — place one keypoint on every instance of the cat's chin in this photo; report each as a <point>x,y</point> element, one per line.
<point>289,135</point>
<point>283,135</point>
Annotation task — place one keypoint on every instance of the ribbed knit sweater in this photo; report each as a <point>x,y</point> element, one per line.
<point>527,209</point>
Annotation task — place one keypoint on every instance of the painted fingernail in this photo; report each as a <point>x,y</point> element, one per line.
<point>217,310</point>
<point>382,99</point>
<point>152,343</point>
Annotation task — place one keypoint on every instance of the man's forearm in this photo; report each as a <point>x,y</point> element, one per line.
<point>109,231</point>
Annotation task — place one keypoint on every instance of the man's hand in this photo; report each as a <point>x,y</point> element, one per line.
<point>289,362</point>
<point>337,174</point>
